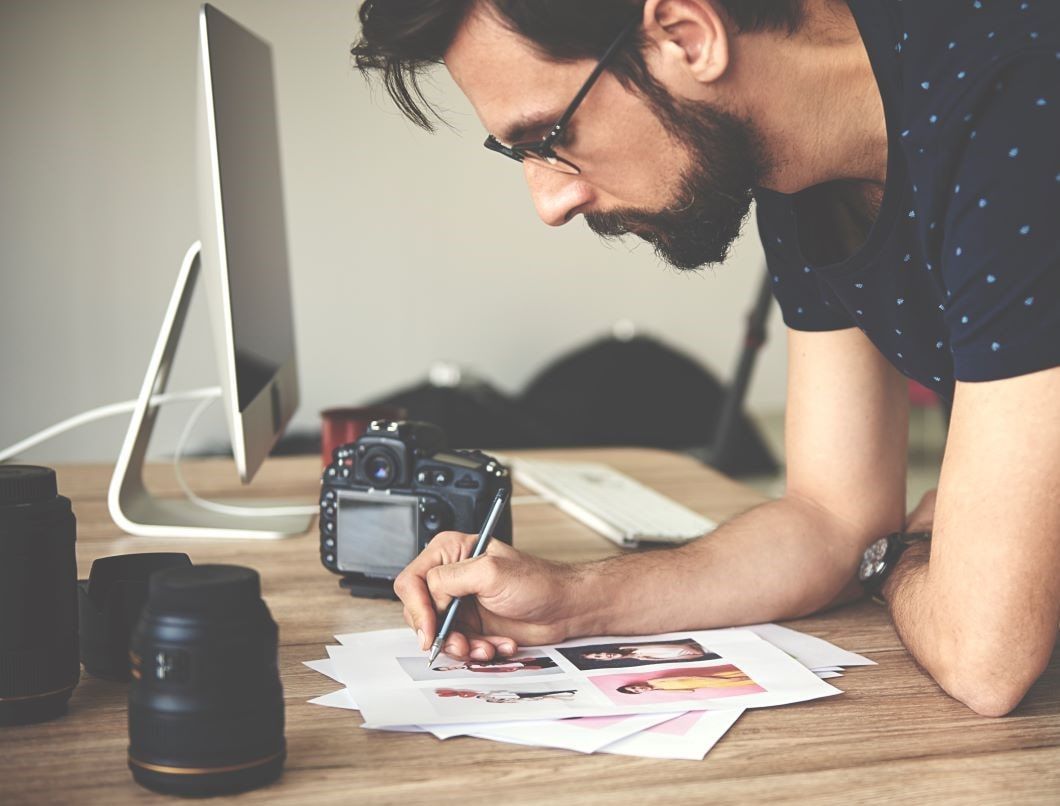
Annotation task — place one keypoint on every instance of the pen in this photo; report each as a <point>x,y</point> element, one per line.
<point>484,535</point>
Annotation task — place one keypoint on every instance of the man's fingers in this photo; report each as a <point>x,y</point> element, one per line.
<point>456,646</point>
<point>505,646</point>
<point>922,518</point>
<point>481,649</point>
<point>419,609</point>
<point>467,578</point>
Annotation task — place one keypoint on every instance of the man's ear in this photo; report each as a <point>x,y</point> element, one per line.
<point>691,39</point>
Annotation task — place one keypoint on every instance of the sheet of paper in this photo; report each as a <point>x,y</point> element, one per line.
<point>337,699</point>
<point>325,667</point>
<point>585,735</point>
<point>809,650</point>
<point>608,676</point>
<point>689,737</point>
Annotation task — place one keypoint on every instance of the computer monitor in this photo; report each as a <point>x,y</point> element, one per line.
<point>242,256</point>
<point>244,239</point>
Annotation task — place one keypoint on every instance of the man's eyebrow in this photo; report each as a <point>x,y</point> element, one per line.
<point>531,127</point>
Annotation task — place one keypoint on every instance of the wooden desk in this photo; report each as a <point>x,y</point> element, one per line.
<point>892,734</point>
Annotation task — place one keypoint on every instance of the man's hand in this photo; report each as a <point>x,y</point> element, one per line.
<point>922,518</point>
<point>513,598</point>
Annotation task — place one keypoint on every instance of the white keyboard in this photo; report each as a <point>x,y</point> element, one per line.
<point>611,503</point>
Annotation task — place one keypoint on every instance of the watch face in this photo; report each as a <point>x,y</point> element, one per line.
<point>872,562</point>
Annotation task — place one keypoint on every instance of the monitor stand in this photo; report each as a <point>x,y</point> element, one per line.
<point>132,507</point>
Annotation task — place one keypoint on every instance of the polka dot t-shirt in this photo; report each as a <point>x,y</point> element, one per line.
<point>959,277</point>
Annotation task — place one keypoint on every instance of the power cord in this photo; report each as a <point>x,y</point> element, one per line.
<point>216,506</point>
<point>101,413</point>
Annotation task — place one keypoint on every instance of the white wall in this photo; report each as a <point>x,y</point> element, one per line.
<point>405,248</point>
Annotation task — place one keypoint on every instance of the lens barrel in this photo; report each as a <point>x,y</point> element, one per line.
<point>205,703</point>
<point>39,667</point>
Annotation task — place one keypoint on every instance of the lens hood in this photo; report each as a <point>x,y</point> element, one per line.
<point>109,604</point>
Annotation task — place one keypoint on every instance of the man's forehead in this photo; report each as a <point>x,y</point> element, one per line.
<point>512,86</point>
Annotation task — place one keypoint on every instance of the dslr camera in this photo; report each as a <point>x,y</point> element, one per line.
<point>386,495</point>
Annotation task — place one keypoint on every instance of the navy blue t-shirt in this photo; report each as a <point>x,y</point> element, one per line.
<point>959,276</point>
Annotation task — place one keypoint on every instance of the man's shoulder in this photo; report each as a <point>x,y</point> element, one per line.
<point>951,52</point>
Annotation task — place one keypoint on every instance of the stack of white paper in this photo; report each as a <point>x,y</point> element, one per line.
<point>664,696</point>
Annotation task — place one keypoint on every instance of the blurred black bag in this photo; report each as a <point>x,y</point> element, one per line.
<point>610,392</point>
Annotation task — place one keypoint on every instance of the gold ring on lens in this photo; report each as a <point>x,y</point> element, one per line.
<point>246,765</point>
<point>38,696</point>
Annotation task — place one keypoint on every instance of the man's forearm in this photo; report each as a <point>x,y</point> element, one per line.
<point>783,559</point>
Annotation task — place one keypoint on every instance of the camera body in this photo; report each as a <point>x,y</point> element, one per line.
<point>384,496</point>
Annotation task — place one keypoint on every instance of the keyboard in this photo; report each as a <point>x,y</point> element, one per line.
<point>611,503</point>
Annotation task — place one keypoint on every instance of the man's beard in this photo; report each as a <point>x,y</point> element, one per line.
<point>715,193</point>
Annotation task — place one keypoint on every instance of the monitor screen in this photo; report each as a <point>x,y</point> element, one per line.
<point>254,233</point>
<point>244,239</point>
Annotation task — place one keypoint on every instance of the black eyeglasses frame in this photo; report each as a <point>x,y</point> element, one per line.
<point>543,151</point>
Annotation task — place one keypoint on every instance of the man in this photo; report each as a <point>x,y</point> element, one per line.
<point>904,161</point>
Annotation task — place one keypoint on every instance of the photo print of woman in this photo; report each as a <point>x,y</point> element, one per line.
<point>447,669</point>
<point>500,665</point>
<point>626,654</point>
<point>505,696</point>
<point>667,685</point>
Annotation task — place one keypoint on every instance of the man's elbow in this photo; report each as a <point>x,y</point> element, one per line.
<point>993,684</point>
<point>987,697</point>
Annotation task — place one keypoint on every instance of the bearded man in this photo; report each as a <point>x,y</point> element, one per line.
<point>903,159</point>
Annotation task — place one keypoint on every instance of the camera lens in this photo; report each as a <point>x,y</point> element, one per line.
<point>39,667</point>
<point>379,467</point>
<point>205,704</point>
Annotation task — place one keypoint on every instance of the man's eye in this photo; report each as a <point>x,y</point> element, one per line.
<point>565,139</point>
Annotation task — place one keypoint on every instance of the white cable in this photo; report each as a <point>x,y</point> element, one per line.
<point>110,410</point>
<point>215,506</point>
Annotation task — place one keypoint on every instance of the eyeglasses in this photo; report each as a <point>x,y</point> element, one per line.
<point>542,152</point>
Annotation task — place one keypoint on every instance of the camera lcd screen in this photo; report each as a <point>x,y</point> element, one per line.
<point>376,534</point>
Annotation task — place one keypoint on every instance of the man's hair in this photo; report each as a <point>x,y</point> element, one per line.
<point>402,38</point>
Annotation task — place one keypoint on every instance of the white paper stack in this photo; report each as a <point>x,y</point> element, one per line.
<point>663,696</point>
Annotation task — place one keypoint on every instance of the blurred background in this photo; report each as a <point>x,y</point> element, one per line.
<point>405,248</point>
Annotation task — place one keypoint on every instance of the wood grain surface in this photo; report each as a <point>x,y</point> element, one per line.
<point>893,735</point>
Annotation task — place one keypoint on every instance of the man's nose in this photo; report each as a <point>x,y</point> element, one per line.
<point>557,196</point>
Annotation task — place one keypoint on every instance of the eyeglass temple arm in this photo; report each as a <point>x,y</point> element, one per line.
<point>601,65</point>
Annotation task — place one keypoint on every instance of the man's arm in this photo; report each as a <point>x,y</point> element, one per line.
<point>846,427</point>
<point>846,444</point>
<point>981,614</point>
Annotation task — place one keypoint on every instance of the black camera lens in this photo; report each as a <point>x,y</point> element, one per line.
<point>109,605</point>
<point>379,467</point>
<point>205,703</point>
<point>38,596</point>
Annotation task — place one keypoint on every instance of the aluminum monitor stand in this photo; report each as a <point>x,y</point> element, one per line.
<point>132,507</point>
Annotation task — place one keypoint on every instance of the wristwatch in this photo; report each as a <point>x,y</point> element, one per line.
<point>881,557</point>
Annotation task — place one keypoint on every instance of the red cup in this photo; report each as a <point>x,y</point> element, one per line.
<point>346,424</point>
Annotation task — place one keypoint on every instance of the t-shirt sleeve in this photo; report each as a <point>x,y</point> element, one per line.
<point>1001,241</point>
<point>806,301</point>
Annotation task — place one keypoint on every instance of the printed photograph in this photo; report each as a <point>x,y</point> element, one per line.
<point>668,685</point>
<point>625,655</point>
<point>448,669</point>
<point>464,702</point>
